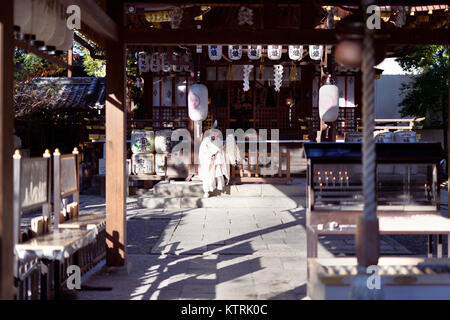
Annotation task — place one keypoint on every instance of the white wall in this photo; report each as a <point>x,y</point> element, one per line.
<point>387,90</point>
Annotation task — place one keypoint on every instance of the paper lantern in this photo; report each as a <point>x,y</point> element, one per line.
<point>295,52</point>
<point>329,102</point>
<point>51,24</point>
<point>22,13</point>
<point>165,65</point>
<point>235,52</point>
<point>274,52</point>
<point>57,38</point>
<point>143,163</point>
<point>143,62</point>
<point>40,11</point>
<point>188,62</point>
<point>198,102</point>
<point>254,52</point>
<point>177,66</point>
<point>155,62</point>
<point>316,52</point>
<point>215,52</point>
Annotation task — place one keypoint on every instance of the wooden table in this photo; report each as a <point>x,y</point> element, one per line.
<point>390,222</point>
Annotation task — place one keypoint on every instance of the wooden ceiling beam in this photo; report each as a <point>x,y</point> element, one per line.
<point>282,37</point>
<point>96,18</point>
<point>285,2</point>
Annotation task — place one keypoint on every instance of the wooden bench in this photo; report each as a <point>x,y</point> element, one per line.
<point>66,185</point>
<point>31,192</point>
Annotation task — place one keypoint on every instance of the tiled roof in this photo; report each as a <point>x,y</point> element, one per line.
<point>77,92</point>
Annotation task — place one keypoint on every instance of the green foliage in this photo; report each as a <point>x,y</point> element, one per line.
<point>427,95</point>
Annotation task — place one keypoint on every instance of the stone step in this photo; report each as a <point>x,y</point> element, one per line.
<point>153,202</point>
<point>194,189</point>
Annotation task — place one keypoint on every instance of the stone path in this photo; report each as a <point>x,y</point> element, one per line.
<point>215,253</point>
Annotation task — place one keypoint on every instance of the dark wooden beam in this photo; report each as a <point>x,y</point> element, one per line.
<point>286,2</point>
<point>115,127</point>
<point>96,18</point>
<point>194,37</point>
<point>6,150</point>
<point>284,37</point>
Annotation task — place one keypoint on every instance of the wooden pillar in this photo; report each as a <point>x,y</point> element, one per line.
<point>115,126</point>
<point>6,150</point>
<point>448,143</point>
<point>70,62</point>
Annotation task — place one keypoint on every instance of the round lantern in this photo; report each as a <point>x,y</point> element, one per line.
<point>198,102</point>
<point>235,52</point>
<point>214,52</point>
<point>57,38</point>
<point>50,26</point>
<point>40,12</point>
<point>329,102</point>
<point>274,52</point>
<point>176,67</point>
<point>316,52</point>
<point>254,52</point>
<point>295,52</point>
<point>22,13</point>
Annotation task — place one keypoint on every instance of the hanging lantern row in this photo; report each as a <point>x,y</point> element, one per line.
<point>274,52</point>
<point>156,62</point>
<point>43,23</point>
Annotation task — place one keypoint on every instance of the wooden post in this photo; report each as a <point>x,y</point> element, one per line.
<point>448,146</point>
<point>6,149</point>
<point>70,62</point>
<point>115,126</point>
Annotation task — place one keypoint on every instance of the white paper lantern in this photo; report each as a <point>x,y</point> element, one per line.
<point>215,52</point>
<point>143,62</point>
<point>40,11</point>
<point>316,52</point>
<point>254,52</point>
<point>57,38</point>
<point>198,102</point>
<point>295,52</point>
<point>329,102</point>
<point>165,65</point>
<point>177,66</point>
<point>274,52</point>
<point>22,13</point>
<point>235,52</point>
<point>155,62</point>
<point>51,23</point>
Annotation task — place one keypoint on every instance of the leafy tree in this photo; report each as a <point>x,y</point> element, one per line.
<point>427,95</point>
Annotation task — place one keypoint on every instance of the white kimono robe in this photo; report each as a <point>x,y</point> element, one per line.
<point>212,170</point>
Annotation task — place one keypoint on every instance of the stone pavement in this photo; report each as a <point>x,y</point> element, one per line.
<point>211,253</point>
